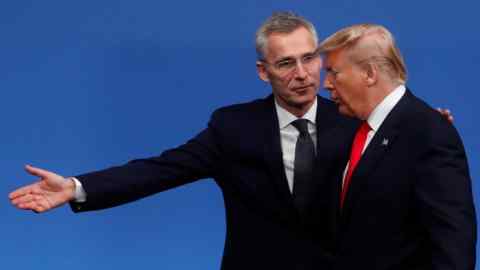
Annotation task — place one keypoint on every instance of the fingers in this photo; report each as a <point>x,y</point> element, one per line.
<point>29,188</point>
<point>446,113</point>
<point>39,172</point>
<point>22,191</point>
<point>23,199</point>
<point>31,202</point>
<point>34,206</point>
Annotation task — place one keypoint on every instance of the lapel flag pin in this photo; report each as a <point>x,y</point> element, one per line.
<point>385,142</point>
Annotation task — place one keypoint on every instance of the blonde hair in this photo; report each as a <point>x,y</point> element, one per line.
<point>369,43</point>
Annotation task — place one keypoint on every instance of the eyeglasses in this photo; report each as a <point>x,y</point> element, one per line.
<point>288,65</point>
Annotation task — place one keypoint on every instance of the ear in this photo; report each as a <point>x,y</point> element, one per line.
<point>371,74</point>
<point>262,71</point>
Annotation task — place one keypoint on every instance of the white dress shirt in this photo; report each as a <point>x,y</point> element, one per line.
<point>289,135</point>
<point>80,194</point>
<point>378,115</point>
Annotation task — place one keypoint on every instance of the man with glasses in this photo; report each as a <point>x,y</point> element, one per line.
<point>401,198</point>
<point>261,154</point>
<point>270,158</point>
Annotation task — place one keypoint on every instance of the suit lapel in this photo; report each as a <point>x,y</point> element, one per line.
<point>368,163</point>
<point>379,146</point>
<point>274,158</point>
<point>327,129</point>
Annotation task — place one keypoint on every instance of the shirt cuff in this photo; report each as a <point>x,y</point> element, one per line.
<point>80,194</point>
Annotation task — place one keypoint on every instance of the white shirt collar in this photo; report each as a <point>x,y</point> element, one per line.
<point>378,115</point>
<point>285,117</point>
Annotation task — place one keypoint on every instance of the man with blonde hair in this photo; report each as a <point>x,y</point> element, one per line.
<point>401,198</point>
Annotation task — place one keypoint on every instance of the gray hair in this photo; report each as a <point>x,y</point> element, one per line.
<point>280,22</point>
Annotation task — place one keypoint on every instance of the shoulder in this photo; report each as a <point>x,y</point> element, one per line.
<point>427,123</point>
<point>246,107</point>
<point>241,117</point>
<point>246,111</point>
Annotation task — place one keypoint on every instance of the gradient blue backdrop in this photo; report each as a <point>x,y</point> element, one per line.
<point>91,84</point>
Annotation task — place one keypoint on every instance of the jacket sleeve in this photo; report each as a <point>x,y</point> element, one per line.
<point>196,159</point>
<point>445,198</point>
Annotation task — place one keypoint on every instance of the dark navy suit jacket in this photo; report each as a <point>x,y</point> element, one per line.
<point>409,204</point>
<point>240,149</point>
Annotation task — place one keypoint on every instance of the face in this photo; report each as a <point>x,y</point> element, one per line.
<point>345,81</point>
<point>292,66</point>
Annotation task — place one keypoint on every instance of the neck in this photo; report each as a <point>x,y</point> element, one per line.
<point>297,110</point>
<point>377,95</point>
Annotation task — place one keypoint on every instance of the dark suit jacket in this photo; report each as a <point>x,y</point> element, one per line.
<point>409,204</point>
<point>240,149</point>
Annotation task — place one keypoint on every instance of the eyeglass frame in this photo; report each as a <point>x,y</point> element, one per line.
<point>291,64</point>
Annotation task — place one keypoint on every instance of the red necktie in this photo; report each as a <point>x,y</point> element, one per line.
<point>355,155</point>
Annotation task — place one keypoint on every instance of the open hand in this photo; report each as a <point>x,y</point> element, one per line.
<point>50,191</point>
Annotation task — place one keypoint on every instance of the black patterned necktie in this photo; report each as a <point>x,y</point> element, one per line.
<point>303,165</point>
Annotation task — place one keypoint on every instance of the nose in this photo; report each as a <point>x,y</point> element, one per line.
<point>327,84</point>
<point>301,72</point>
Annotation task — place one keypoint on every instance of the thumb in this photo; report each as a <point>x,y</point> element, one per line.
<point>40,172</point>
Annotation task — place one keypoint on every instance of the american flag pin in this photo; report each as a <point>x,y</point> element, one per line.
<point>385,142</point>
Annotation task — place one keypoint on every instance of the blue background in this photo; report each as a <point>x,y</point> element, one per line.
<point>92,84</point>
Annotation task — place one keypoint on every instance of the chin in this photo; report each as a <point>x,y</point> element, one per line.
<point>304,98</point>
<point>302,102</point>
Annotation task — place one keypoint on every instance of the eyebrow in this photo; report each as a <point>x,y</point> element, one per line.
<point>287,58</point>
